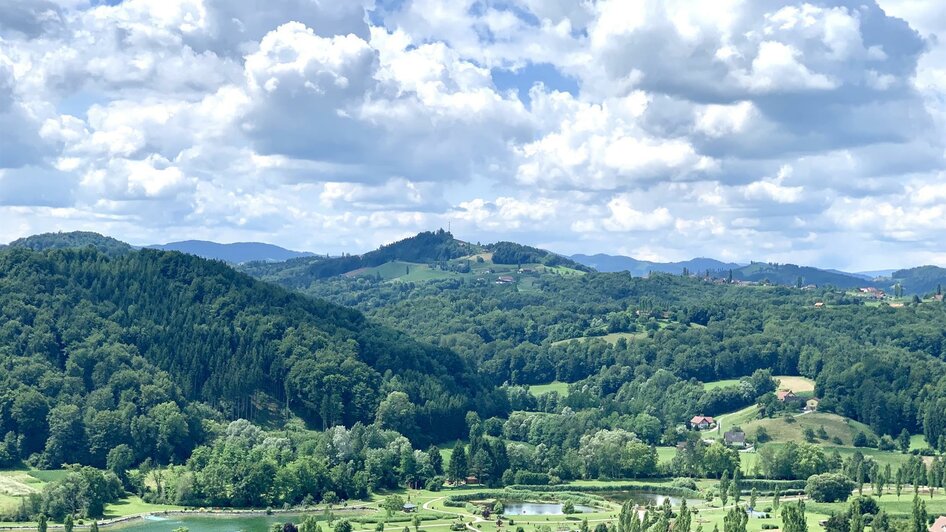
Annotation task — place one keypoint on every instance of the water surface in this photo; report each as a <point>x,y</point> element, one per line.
<point>542,508</point>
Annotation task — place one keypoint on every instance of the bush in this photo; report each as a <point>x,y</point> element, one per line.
<point>829,487</point>
<point>868,504</point>
<point>685,483</point>
<point>886,443</point>
<point>860,440</point>
<point>531,478</point>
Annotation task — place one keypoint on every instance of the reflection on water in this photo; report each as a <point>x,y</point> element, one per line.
<point>645,498</point>
<point>255,523</point>
<point>541,508</point>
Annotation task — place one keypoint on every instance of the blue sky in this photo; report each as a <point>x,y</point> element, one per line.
<point>789,131</point>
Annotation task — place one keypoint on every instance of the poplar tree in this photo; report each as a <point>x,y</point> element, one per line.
<point>919,519</point>
<point>682,524</point>
<point>793,518</point>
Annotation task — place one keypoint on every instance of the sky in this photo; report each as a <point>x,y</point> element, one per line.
<point>786,131</point>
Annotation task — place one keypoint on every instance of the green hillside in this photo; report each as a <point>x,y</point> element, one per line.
<point>173,329</point>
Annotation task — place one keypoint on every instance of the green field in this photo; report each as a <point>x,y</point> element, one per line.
<point>836,427</point>
<point>918,441</point>
<point>404,271</point>
<point>799,385</point>
<point>611,338</point>
<point>557,386</point>
<point>720,384</point>
<point>738,418</point>
<point>133,506</point>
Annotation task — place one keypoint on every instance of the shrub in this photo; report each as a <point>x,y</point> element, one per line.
<point>829,487</point>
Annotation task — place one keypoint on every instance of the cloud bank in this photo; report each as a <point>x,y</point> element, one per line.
<point>782,130</point>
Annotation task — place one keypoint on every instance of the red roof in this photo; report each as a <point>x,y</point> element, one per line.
<point>700,419</point>
<point>784,394</point>
<point>939,525</point>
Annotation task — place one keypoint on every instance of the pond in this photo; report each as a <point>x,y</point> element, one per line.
<point>542,508</point>
<point>645,498</point>
<point>229,523</point>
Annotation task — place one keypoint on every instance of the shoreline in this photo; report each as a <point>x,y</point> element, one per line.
<point>127,519</point>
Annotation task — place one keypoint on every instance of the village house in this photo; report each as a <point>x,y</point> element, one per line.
<point>505,279</point>
<point>811,405</point>
<point>735,438</point>
<point>702,422</point>
<point>873,293</point>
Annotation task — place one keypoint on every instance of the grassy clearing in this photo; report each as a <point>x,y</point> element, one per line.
<point>836,426</point>
<point>798,385</point>
<point>918,441</point>
<point>738,418</point>
<point>556,386</point>
<point>134,506</point>
<point>611,338</point>
<point>666,454</point>
<point>17,483</point>
<point>720,384</point>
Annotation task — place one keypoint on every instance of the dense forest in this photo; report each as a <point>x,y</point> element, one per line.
<point>877,364</point>
<point>150,337</point>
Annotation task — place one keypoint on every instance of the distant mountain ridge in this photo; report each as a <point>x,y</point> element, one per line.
<point>918,280</point>
<point>235,253</point>
<point>618,263</point>
<point>295,268</point>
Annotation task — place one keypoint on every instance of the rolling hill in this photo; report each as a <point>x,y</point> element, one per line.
<point>425,256</point>
<point>919,280</point>
<point>73,240</point>
<point>791,274</point>
<point>235,253</point>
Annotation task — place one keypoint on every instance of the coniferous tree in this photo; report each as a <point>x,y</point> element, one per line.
<point>735,520</point>
<point>458,467</point>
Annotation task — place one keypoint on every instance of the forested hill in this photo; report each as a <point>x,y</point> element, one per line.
<point>73,240</point>
<point>146,334</point>
<point>422,248</point>
<point>791,274</point>
<point>639,345</point>
<point>437,250</point>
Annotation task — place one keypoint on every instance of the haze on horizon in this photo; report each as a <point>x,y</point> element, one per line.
<point>786,131</point>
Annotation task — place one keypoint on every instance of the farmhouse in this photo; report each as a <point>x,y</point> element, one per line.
<point>811,405</point>
<point>702,422</point>
<point>505,279</point>
<point>735,438</point>
<point>872,292</point>
<point>787,396</point>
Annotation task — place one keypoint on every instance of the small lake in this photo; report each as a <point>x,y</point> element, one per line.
<point>542,508</point>
<point>229,523</point>
<point>645,498</point>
